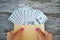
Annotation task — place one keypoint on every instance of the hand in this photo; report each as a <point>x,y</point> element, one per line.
<point>44,35</point>
<point>14,35</point>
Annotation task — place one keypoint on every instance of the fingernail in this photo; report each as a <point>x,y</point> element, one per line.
<point>21,29</point>
<point>37,29</point>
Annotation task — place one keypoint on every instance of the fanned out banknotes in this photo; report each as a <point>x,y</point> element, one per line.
<point>27,15</point>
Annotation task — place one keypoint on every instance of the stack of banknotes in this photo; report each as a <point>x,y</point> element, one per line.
<point>27,15</point>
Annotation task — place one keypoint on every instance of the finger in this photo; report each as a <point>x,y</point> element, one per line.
<point>9,35</point>
<point>18,31</point>
<point>21,29</point>
<point>40,31</point>
<point>37,29</point>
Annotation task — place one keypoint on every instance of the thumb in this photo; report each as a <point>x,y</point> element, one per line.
<point>18,31</point>
<point>40,31</point>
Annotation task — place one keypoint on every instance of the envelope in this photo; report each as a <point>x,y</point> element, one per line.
<point>29,32</point>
